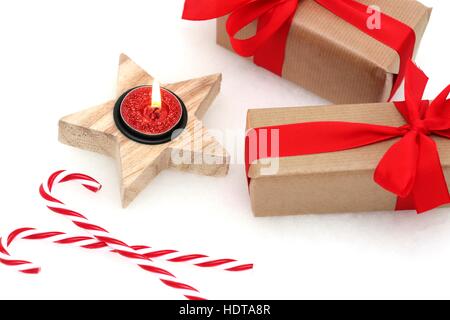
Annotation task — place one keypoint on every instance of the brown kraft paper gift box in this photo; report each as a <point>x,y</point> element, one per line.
<point>335,60</point>
<point>327,182</point>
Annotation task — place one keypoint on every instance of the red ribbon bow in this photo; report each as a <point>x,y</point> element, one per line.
<point>411,168</point>
<point>274,18</point>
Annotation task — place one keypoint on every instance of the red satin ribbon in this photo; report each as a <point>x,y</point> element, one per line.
<point>411,168</point>
<point>274,18</point>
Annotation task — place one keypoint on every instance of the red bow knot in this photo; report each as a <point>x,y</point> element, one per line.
<point>411,168</point>
<point>420,126</point>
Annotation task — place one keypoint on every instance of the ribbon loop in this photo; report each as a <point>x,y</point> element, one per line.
<point>275,13</point>
<point>440,107</point>
<point>415,84</point>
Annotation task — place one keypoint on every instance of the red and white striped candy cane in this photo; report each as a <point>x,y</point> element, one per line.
<point>98,242</point>
<point>88,242</point>
<point>84,242</point>
<point>97,232</point>
<point>33,234</point>
<point>199,260</point>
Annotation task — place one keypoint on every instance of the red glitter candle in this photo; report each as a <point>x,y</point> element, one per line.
<point>137,112</point>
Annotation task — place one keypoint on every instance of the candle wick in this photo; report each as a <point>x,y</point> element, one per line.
<point>155,114</point>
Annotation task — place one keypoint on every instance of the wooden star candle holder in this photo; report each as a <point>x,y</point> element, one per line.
<point>193,150</point>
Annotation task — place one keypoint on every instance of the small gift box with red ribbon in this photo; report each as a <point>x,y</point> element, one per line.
<point>347,51</point>
<point>351,158</point>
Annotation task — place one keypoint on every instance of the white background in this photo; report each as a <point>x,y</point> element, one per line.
<point>58,57</point>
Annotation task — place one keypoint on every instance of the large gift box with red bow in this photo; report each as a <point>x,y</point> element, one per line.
<point>345,51</point>
<point>351,158</point>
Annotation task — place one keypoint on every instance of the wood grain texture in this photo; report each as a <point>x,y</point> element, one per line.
<point>195,150</point>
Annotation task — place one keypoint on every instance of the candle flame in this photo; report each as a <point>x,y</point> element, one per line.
<point>156,95</point>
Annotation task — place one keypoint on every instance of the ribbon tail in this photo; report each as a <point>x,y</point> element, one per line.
<point>430,189</point>
<point>396,171</point>
<point>407,203</point>
<point>406,53</point>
